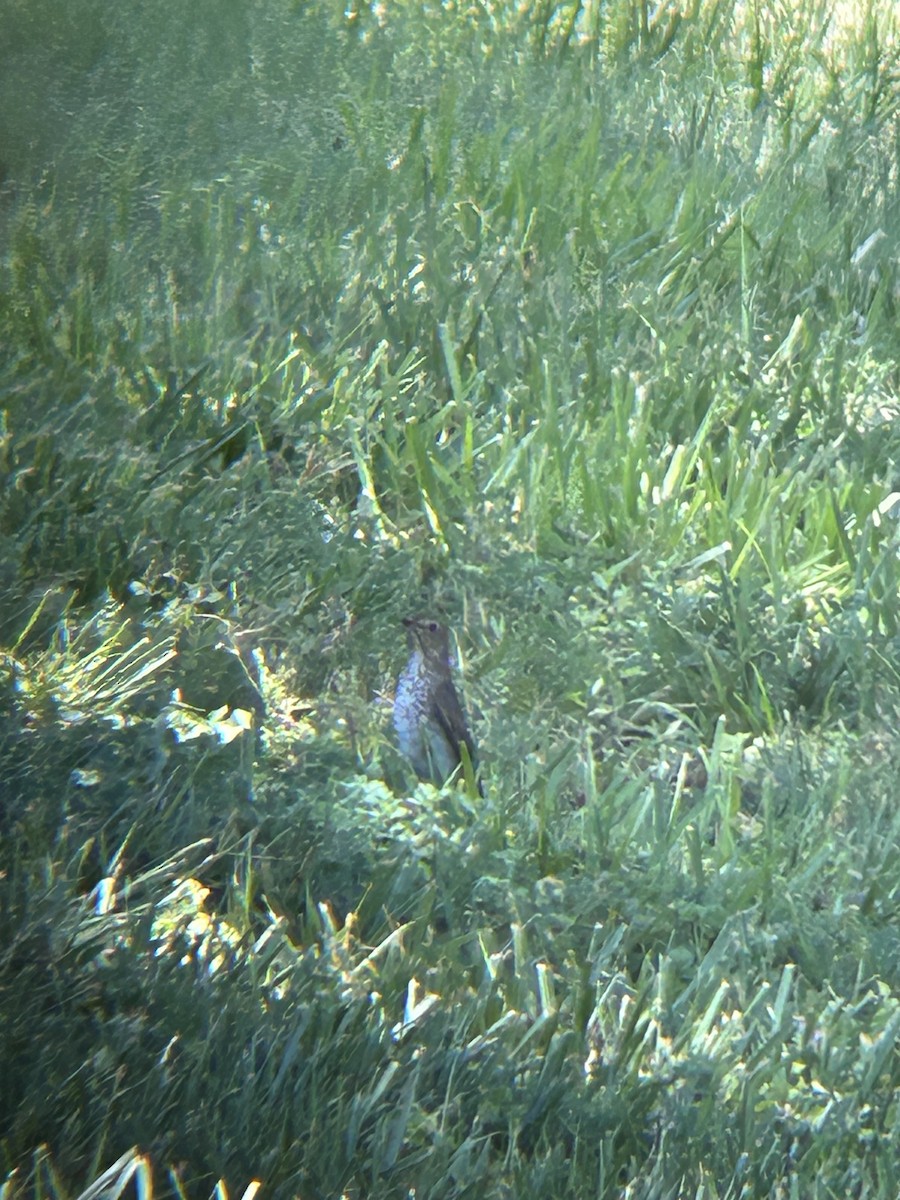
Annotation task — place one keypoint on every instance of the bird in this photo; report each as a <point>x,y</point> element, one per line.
<point>428,715</point>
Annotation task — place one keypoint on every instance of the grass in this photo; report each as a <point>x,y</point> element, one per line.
<point>578,325</point>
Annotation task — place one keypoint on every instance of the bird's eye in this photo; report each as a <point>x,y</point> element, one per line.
<point>432,625</point>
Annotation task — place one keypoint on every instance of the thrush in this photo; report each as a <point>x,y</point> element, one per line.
<point>428,716</point>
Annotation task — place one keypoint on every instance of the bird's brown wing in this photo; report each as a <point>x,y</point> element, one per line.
<point>448,712</point>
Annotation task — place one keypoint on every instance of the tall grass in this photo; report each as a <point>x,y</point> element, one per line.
<point>577,324</point>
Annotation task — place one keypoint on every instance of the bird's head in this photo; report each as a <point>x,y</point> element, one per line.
<point>430,636</point>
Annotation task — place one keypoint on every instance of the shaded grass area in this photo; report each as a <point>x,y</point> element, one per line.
<point>578,326</point>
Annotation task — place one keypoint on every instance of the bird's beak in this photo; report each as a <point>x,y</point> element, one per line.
<point>413,634</point>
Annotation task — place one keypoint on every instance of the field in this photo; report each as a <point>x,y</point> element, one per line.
<point>577,326</point>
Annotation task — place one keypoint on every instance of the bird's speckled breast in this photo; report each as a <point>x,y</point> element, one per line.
<point>419,733</point>
<point>410,703</point>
